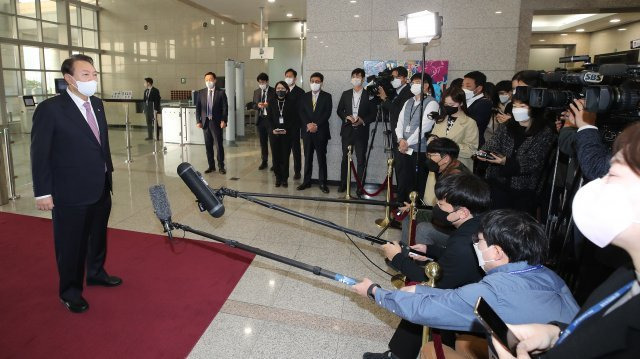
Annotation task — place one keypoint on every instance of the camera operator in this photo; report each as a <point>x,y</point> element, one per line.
<point>517,154</point>
<point>395,103</point>
<point>502,106</point>
<point>606,211</point>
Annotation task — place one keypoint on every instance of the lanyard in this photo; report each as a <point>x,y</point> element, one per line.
<point>354,104</point>
<point>280,108</point>
<point>593,310</point>
<point>526,270</point>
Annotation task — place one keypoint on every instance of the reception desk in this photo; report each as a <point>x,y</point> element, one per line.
<point>179,125</point>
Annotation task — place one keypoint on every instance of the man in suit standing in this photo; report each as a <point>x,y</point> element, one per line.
<point>315,110</point>
<point>151,102</point>
<point>211,116</point>
<point>356,112</point>
<point>295,93</point>
<point>71,168</point>
<point>262,96</point>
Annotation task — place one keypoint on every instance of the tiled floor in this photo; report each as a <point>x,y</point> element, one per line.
<point>275,311</point>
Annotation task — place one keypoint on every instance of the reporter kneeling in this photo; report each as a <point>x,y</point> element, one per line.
<point>606,211</point>
<point>510,247</point>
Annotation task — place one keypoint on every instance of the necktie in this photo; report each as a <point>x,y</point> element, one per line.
<point>264,99</point>
<point>209,103</point>
<point>91,120</point>
<point>314,100</point>
<point>146,95</point>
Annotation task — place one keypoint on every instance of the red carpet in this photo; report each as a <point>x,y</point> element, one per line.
<point>166,302</point>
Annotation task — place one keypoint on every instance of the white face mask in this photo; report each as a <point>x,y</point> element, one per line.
<point>315,87</point>
<point>262,86</point>
<point>356,81</point>
<point>504,99</point>
<point>520,114</point>
<point>416,88</point>
<point>396,83</point>
<point>468,94</point>
<point>87,88</point>
<point>603,210</point>
<point>210,84</point>
<point>288,80</point>
<point>481,260</point>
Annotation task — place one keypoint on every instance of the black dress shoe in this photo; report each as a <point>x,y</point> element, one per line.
<point>342,189</point>
<point>278,183</point>
<point>324,188</point>
<point>210,169</point>
<point>110,281</point>
<point>222,171</point>
<point>285,184</point>
<point>297,176</point>
<point>304,186</point>
<point>263,165</point>
<point>76,306</point>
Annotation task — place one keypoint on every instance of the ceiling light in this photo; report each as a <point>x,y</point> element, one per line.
<point>563,34</point>
<point>622,29</point>
<point>498,12</point>
<point>614,20</point>
<point>353,1</point>
<point>356,15</point>
<point>315,37</point>
<point>579,30</point>
<point>322,42</point>
<point>542,40</point>
<point>272,1</point>
<point>289,14</point>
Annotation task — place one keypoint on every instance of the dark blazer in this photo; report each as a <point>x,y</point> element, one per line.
<point>220,109</point>
<point>67,161</point>
<point>321,114</point>
<point>366,110</point>
<point>294,96</point>
<point>480,111</point>
<point>257,97</point>
<point>394,106</point>
<point>154,98</point>
<point>289,114</point>
<point>616,335</point>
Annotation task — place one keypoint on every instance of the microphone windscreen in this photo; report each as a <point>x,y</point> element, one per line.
<point>160,202</point>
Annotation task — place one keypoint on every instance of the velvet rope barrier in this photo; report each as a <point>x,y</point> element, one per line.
<point>361,185</point>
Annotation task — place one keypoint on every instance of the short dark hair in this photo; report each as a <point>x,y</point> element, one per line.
<point>517,233</point>
<point>478,77</point>
<point>503,85</point>
<point>67,65</point>
<point>149,80</point>
<point>402,71</point>
<point>295,73</point>
<point>464,190</point>
<point>212,74</point>
<point>262,77</point>
<point>457,95</point>
<point>358,71</point>
<point>456,83</point>
<point>529,77</point>
<point>318,75</point>
<point>427,78</point>
<point>283,84</point>
<point>444,146</point>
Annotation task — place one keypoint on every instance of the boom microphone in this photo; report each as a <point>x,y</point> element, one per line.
<point>207,200</point>
<point>161,207</point>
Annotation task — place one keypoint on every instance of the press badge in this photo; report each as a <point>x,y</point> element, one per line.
<point>281,121</point>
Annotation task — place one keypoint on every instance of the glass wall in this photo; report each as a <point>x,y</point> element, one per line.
<point>35,37</point>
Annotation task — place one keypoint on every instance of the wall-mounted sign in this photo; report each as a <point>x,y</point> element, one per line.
<point>635,44</point>
<point>183,80</point>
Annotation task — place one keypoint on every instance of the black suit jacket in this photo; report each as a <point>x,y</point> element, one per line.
<point>294,96</point>
<point>220,106</point>
<point>480,111</point>
<point>257,97</point>
<point>154,99</point>
<point>616,335</point>
<point>394,106</point>
<point>366,110</point>
<point>289,115</point>
<point>67,161</point>
<point>321,114</point>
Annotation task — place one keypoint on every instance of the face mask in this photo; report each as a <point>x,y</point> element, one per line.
<point>315,87</point>
<point>396,83</point>
<point>288,80</point>
<point>416,88</point>
<point>262,86</point>
<point>441,215</point>
<point>356,81</point>
<point>603,210</point>
<point>210,84</point>
<point>520,114</point>
<point>468,94</point>
<point>450,110</point>
<point>433,166</point>
<point>87,88</point>
<point>504,99</point>
<point>281,93</point>
<point>481,261</point>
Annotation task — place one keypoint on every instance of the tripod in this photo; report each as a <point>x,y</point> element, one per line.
<point>380,117</point>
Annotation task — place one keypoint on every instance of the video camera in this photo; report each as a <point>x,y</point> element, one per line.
<point>381,80</point>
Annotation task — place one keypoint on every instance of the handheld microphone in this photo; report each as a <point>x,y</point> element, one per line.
<point>161,207</point>
<point>207,200</point>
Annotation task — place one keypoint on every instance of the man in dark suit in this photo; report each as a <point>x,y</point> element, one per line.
<point>478,105</point>
<point>356,112</point>
<point>71,168</point>
<point>295,93</point>
<point>151,101</point>
<point>211,116</point>
<point>315,109</point>
<point>262,96</point>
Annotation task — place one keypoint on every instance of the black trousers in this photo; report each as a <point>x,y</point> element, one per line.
<point>505,197</point>
<point>80,237</point>
<point>213,137</point>
<point>297,151</point>
<point>407,339</point>
<point>406,168</point>
<point>149,116</point>
<point>280,150</point>
<point>314,142</point>
<point>358,141</point>
<point>263,134</point>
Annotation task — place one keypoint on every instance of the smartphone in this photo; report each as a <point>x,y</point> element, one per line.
<point>494,325</point>
<point>484,155</point>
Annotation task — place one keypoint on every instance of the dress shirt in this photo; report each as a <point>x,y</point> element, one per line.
<point>399,89</point>
<point>517,294</point>
<point>427,123</point>
<point>355,104</point>
<point>474,98</point>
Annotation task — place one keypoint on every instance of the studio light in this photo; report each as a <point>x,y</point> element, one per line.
<point>420,27</point>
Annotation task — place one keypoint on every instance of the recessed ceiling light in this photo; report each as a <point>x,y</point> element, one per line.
<point>623,29</point>
<point>614,20</point>
<point>326,45</point>
<point>563,34</point>
<point>315,37</point>
<point>289,14</point>
<point>542,40</point>
<point>579,30</point>
<point>322,42</point>
<point>356,15</point>
<point>272,1</point>
<point>498,12</point>
<point>353,1</point>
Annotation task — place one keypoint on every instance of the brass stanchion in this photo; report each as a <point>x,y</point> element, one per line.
<point>433,272</point>
<point>384,222</point>
<point>349,161</point>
